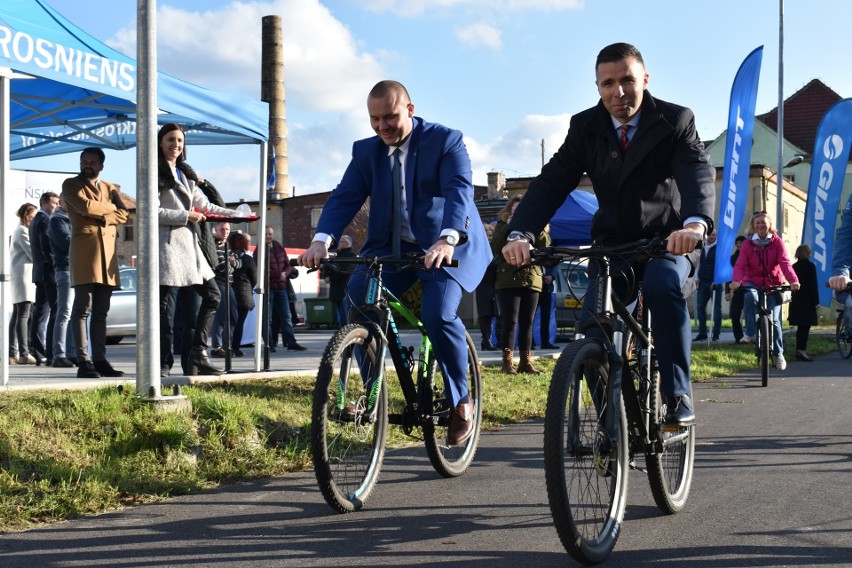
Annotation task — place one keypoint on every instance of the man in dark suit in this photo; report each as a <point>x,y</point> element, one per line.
<point>44,309</point>
<point>437,216</point>
<point>652,177</point>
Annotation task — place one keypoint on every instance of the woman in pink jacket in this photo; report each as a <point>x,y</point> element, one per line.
<point>763,262</point>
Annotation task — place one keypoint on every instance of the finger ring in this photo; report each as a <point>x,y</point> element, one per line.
<point>511,258</point>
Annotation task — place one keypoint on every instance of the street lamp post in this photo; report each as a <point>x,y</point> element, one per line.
<point>779,210</point>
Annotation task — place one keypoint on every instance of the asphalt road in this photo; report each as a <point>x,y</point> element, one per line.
<point>771,488</point>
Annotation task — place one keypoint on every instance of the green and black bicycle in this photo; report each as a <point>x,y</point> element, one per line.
<point>350,401</point>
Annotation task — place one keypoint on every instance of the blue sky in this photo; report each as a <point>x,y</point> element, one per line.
<point>507,73</point>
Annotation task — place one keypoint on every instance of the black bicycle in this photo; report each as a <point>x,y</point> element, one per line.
<point>843,335</point>
<point>765,332</point>
<point>350,402</point>
<point>604,409</point>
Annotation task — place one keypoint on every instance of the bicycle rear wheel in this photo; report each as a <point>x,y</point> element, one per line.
<point>452,461</point>
<point>670,459</point>
<point>586,482</point>
<point>349,425</point>
<point>764,346</point>
<point>844,345</point>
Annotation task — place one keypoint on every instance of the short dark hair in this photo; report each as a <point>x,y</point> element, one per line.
<point>386,87</point>
<point>238,241</point>
<point>740,239</point>
<point>94,150</point>
<point>47,196</point>
<point>617,52</point>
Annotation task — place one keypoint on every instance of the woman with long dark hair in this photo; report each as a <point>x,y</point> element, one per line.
<point>185,257</point>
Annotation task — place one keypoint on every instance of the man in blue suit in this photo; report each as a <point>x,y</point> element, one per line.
<point>438,217</point>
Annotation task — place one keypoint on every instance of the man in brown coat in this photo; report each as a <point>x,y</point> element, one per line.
<point>95,209</point>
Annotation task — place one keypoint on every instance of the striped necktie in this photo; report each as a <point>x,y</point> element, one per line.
<point>623,141</point>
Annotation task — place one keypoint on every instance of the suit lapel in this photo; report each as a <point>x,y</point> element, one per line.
<point>411,165</point>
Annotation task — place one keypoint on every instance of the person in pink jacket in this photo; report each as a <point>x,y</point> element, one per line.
<point>763,262</point>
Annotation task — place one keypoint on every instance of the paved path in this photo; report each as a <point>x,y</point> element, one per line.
<point>771,488</point>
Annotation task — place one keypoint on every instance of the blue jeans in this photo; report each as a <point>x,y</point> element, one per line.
<point>750,312</point>
<point>63,340</point>
<point>279,318</point>
<point>706,290</point>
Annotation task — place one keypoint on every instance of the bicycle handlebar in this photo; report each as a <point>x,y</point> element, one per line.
<point>414,260</point>
<point>647,247</point>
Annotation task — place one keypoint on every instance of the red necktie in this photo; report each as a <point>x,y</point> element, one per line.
<point>623,141</point>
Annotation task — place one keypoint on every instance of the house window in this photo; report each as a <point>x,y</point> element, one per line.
<point>128,233</point>
<point>786,220</point>
<point>315,215</point>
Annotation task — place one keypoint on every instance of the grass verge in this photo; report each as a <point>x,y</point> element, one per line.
<point>71,453</point>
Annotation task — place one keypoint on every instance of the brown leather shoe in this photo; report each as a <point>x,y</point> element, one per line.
<point>461,423</point>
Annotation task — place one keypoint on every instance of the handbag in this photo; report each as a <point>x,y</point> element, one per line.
<point>783,297</point>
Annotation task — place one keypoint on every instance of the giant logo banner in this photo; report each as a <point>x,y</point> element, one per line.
<point>831,154</point>
<point>734,191</point>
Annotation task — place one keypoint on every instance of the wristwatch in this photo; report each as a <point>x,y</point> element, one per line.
<point>517,236</point>
<point>452,240</point>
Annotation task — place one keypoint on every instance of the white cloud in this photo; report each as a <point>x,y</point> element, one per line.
<point>518,153</point>
<point>483,34</point>
<point>324,67</point>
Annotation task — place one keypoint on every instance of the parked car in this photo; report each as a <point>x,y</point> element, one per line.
<point>570,284</point>
<point>121,320</point>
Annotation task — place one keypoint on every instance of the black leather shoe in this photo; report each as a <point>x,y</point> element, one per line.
<point>548,346</point>
<point>803,356</point>
<point>238,353</point>
<point>87,370</point>
<point>107,370</point>
<point>700,338</point>
<point>199,364</point>
<point>63,362</point>
<point>220,352</point>
<point>461,423</point>
<point>487,345</point>
<point>296,347</point>
<point>679,411</point>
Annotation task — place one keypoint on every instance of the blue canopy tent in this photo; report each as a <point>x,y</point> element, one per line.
<point>62,90</point>
<point>68,90</point>
<point>571,225</point>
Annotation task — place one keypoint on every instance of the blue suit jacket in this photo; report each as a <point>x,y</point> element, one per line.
<point>439,195</point>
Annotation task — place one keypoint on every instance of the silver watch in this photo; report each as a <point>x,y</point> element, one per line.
<point>516,236</point>
<point>452,240</point>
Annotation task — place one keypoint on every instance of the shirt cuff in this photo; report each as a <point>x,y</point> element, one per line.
<point>696,219</point>
<point>323,238</point>
<point>451,232</point>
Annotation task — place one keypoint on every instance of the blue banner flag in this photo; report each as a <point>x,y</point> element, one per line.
<point>734,191</point>
<point>831,154</point>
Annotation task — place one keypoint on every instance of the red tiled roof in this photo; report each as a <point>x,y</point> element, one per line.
<point>803,111</point>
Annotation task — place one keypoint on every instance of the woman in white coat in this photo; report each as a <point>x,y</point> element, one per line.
<point>182,212</point>
<point>23,289</point>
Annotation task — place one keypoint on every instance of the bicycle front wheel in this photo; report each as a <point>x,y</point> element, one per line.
<point>349,424</point>
<point>764,345</point>
<point>844,345</point>
<point>452,461</point>
<point>671,457</point>
<point>586,478</point>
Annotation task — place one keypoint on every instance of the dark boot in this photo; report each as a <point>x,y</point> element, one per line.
<point>508,364</point>
<point>526,366</point>
<point>199,364</point>
<point>485,330</point>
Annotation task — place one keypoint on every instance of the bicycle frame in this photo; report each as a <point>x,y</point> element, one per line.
<point>381,303</point>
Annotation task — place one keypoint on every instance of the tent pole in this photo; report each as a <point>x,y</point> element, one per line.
<point>4,248</point>
<point>148,384</point>
<point>260,240</point>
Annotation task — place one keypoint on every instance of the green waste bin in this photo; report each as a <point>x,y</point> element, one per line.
<point>319,312</point>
